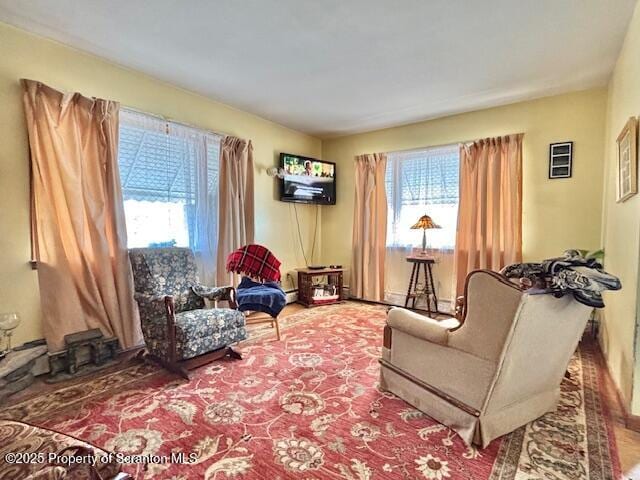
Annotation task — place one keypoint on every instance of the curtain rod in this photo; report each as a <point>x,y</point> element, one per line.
<point>135,110</point>
<point>418,149</point>
<point>169,119</point>
<point>452,144</point>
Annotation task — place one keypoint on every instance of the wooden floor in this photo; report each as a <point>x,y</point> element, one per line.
<point>628,441</point>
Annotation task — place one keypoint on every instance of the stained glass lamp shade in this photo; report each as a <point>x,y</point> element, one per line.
<point>424,222</point>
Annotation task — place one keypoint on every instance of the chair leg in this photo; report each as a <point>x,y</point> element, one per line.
<point>182,368</point>
<point>277,325</point>
<point>234,353</point>
<point>179,370</point>
<point>172,367</point>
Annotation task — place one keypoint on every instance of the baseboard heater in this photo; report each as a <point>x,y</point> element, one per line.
<point>292,295</point>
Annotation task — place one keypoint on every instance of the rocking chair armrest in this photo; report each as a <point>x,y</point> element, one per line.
<point>232,298</point>
<point>154,306</point>
<point>170,305</point>
<point>217,294</point>
<point>148,298</point>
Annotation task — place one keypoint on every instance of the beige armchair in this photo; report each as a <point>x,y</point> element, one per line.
<point>496,371</point>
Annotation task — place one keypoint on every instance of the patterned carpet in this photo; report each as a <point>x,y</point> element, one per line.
<point>307,407</point>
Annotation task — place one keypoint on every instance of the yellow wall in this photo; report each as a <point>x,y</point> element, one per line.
<point>29,56</point>
<point>557,214</point>
<point>621,228</point>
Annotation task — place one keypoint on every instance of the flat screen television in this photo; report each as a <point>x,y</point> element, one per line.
<point>307,180</point>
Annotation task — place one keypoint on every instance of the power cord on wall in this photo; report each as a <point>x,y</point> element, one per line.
<point>315,232</point>
<point>291,280</point>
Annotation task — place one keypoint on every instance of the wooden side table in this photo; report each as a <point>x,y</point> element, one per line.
<point>429,286</point>
<point>306,286</point>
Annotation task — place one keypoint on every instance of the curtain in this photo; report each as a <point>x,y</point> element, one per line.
<point>235,208</point>
<point>489,234</point>
<point>205,235</point>
<point>169,177</point>
<point>78,217</point>
<point>369,228</point>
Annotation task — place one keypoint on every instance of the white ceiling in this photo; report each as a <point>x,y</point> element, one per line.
<point>332,67</point>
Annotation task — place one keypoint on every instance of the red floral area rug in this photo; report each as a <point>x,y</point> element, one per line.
<point>308,407</point>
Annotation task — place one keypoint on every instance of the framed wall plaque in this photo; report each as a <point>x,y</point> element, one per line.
<point>627,184</point>
<point>560,160</point>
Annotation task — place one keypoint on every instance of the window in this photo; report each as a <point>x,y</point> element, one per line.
<point>169,178</point>
<point>423,182</point>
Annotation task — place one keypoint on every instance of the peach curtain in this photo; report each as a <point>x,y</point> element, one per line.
<point>369,228</point>
<point>236,209</point>
<point>489,234</point>
<point>78,220</point>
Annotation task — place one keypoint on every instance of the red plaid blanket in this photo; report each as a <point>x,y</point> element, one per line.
<point>255,261</point>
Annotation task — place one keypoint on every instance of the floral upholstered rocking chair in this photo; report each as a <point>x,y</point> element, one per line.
<point>179,332</point>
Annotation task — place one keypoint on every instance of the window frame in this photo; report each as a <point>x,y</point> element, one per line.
<point>395,204</point>
<point>182,135</point>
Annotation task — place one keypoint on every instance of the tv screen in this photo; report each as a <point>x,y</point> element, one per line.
<point>307,180</point>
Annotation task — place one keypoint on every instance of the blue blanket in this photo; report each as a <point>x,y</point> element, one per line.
<point>265,297</point>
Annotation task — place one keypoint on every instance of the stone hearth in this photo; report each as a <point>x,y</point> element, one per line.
<point>19,368</point>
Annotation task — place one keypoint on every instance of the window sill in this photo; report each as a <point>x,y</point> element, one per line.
<point>409,249</point>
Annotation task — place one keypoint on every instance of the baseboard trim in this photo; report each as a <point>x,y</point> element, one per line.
<point>389,305</point>
<point>398,298</point>
<point>631,422</point>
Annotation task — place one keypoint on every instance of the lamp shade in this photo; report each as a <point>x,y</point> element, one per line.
<point>425,223</point>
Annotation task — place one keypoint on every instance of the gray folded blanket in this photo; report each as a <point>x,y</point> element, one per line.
<point>584,278</point>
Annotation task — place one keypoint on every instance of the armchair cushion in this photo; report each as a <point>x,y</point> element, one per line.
<point>197,332</point>
<point>207,322</point>
<point>416,325</point>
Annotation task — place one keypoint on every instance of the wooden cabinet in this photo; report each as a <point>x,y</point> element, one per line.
<point>318,287</point>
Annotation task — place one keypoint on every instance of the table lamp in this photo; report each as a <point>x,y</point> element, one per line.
<point>8,323</point>
<point>424,222</point>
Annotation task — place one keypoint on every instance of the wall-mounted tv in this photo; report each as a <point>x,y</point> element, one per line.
<point>307,180</point>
